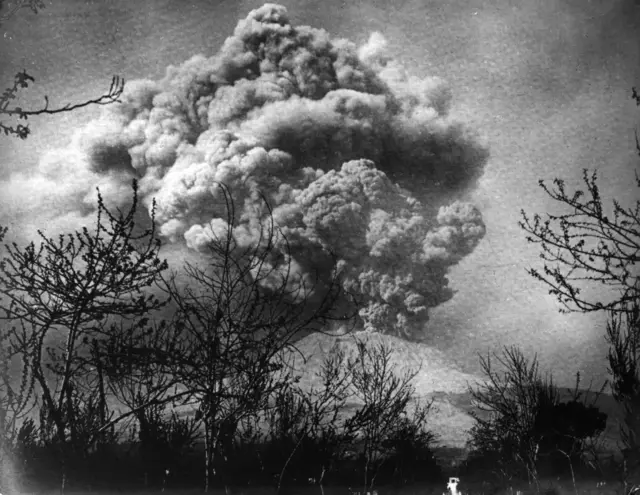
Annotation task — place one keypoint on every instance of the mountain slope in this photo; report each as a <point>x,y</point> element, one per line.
<point>438,379</point>
<point>437,372</point>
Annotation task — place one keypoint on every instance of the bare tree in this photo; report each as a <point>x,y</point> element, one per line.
<point>590,246</point>
<point>623,335</point>
<point>308,419</point>
<point>234,318</point>
<point>527,423</point>
<point>317,421</point>
<point>16,390</point>
<point>385,396</point>
<point>587,245</point>
<point>63,292</point>
<point>132,356</point>
<point>513,399</point>
<point>15,395</point>
<point>325,403</point>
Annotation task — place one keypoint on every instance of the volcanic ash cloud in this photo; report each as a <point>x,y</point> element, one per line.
<point>355,156</point>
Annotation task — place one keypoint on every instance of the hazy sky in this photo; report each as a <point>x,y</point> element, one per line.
<point>546,84</point>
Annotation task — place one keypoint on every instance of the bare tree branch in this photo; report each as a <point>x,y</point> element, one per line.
<point>21,81</point>
<point>34,5</point>
<point>73,285</point>
<point>587,245</point>
<point>234,317</point>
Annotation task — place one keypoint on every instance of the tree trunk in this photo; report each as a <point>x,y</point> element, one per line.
<point>65,455</point>
<point>102,397</point>
<point>208,452</point>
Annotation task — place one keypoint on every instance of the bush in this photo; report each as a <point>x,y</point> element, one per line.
<point>529,432</point>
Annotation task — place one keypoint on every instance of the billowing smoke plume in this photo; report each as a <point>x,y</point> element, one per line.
<point>354,155</point>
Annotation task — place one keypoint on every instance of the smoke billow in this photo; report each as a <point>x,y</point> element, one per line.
<point>355,156</point>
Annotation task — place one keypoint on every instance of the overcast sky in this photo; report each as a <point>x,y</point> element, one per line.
<point>545,83</point>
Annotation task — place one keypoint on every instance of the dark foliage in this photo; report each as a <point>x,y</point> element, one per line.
<point>529,432</point>
<point>563,428</point>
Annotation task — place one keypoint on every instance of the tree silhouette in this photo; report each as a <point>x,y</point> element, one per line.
<point>234,317</point>
<point>60,296</point>
<point>527,423</point>
<point>587,245</point>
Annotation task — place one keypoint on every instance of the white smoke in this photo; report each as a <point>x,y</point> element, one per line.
<point>355,156</point>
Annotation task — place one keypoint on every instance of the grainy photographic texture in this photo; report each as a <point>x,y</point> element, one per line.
<point>350,199</point>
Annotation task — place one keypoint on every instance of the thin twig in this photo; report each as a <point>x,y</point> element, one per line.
<point>115,91</point>
<point>34,5</point>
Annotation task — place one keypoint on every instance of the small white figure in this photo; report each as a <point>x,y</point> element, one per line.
<point>164,479</point>
<point>452,486</point>
<point>352,492</point>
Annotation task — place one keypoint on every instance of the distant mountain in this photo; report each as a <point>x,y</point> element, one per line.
<point>439,379</point>
<point>437,372</point>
